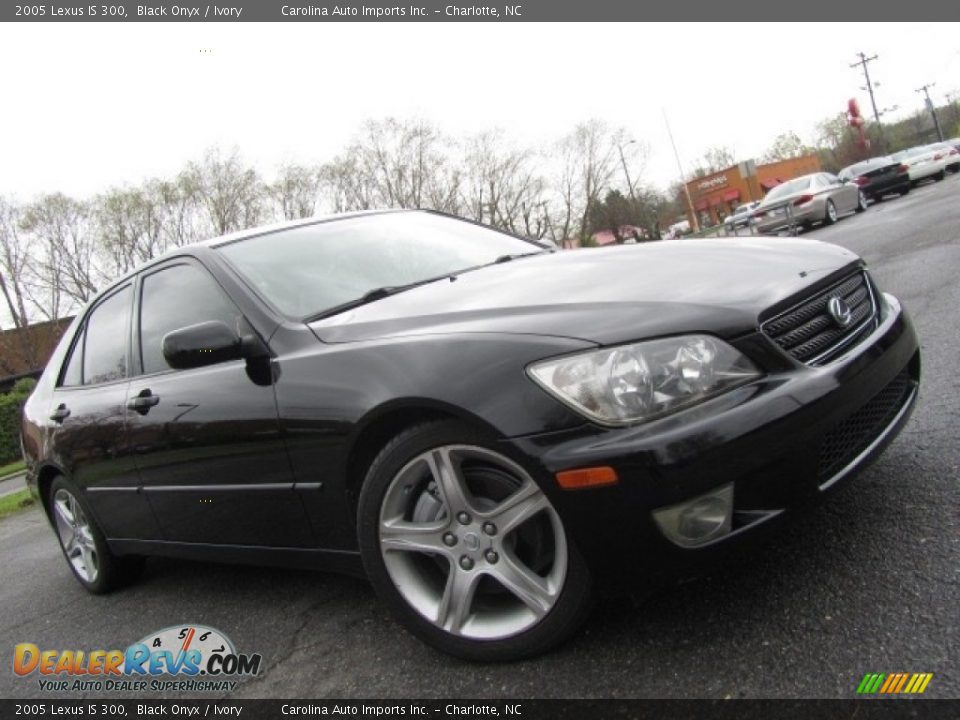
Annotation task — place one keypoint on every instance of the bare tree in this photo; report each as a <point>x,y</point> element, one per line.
<point>588,160</point>
<point>180,207</point>
<point>128,227</point>
<point>230,191</point>
<point>63,271</point>
<point>295,191</point>
<point>716,159</point>
<point>785,146</point>
<point>501,185</point>
<point>396,164</point>
<point>14,258</point>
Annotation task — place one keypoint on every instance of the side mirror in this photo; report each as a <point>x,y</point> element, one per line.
<point>206,343</point>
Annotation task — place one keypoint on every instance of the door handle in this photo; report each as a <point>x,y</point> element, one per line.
<point>61,413</point>
<point>143,402</point>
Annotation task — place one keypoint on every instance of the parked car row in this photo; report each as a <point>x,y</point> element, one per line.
<point>823,197</point>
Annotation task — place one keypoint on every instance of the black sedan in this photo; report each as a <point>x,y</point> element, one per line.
<point>489,430</point>
<point>878,177</point>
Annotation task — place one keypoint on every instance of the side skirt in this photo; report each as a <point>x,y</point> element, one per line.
<point>341,561</point>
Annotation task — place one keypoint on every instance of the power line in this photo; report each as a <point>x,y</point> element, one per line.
<point>864,61</point>
<point>925,89</point>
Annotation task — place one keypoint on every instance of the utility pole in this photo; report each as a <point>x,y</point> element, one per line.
<point>864,61</point>
<point>933,111</point>
<point>686,190</point>
<point>623,161</point>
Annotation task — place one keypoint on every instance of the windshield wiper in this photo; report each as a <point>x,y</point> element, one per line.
<point>517,256</point>
<point>386,291</point>
<point>371,296</point>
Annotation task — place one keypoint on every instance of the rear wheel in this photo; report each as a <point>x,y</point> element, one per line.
<point>83,544</point>
<point>465,549</point>
<point>861,202</point>
<point>830,214</point>
<point>940,175</point>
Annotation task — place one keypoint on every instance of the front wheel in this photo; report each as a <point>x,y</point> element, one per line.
<point>465,548</point>
<point>830,214</point>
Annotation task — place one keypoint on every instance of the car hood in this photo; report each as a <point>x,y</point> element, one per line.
<point>604,295</point>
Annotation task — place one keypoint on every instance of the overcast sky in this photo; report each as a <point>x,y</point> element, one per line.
<point>87,106</point>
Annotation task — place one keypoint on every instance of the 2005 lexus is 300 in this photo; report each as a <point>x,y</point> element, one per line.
<point>490,430</point>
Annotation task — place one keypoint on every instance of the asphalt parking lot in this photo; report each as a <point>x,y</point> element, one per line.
<point>867,583</point>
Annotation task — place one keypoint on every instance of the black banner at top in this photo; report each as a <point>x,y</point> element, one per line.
<point>479,11</point>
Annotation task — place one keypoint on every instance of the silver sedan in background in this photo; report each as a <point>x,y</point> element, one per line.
<point>808,199</point>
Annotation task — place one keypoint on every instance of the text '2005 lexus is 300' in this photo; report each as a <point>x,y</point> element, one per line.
<point>489,430</point>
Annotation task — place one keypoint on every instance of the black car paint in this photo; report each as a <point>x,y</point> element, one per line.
<point>263,464</point>
<point>881,177</point>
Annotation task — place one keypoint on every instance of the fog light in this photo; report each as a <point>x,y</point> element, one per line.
<point>700,520</point>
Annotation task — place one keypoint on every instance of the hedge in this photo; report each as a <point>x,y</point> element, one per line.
<point>11,404</point>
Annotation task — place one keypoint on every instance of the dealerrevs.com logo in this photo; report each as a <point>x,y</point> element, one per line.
<point>196,657</point>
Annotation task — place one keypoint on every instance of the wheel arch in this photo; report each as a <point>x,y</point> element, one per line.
<point>46,474</point>
<point>383,423</point>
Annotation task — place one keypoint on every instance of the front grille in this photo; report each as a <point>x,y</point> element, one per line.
<point>809,334</point>
<point>850,437</point>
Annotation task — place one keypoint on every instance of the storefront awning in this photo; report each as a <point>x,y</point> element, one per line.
<point>731,195</point>
<point>716,200</point>
<point>701,204</point>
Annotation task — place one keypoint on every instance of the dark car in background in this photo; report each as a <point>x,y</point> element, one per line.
<point>488,430</point>
<point>878,177</point>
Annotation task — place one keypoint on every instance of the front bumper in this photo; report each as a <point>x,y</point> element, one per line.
<point>783,441</point>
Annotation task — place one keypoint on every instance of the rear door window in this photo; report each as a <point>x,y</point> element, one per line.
<point>105,339</point>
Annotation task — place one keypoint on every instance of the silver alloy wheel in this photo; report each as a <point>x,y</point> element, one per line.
<point>862,201</point>
<point>831,211</point>
<point>76,535</point>
<point>463,566</point>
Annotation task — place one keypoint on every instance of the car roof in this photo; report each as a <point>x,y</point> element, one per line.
<point>288,224</point>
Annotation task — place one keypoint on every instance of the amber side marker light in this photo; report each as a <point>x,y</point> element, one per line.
<point>587,478</point>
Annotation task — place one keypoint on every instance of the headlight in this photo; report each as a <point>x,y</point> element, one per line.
<point>639,382</point>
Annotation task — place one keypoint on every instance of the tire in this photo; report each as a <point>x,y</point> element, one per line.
<point>861,203</point>
<point>940,176</point>
<point>905,190</point>
<point>83,544</point>
<point>830,213</point>
<point>445,520</point>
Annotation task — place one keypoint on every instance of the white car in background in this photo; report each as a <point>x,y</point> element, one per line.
<point>923,162</point>
<point>951,154</point>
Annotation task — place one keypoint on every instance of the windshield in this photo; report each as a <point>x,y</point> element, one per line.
<point>306,270</point>
<point>788,188</point>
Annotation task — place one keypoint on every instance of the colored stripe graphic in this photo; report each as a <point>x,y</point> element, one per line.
<point>894,683</point>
